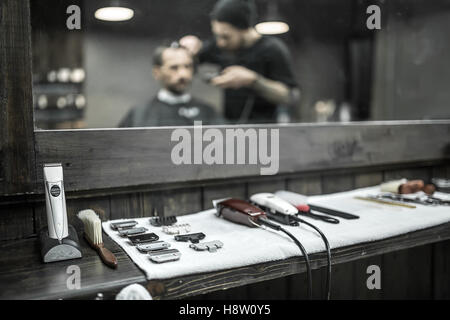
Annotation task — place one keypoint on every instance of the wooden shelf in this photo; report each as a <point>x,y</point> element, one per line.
<point>23,275</point>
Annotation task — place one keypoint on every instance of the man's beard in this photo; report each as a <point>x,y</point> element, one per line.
<point>178,91</point>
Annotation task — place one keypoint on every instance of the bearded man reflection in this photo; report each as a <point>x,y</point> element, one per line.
<point>173,67</point>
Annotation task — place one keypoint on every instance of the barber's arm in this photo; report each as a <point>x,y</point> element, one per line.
<point>235,77</point>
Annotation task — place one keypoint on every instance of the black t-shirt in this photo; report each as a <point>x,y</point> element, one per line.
<point>158,113</point>
<point>269,57</point>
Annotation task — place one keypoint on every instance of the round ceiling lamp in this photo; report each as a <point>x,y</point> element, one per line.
<point>272,27</point>
<point>273,22</point>
<point>114,14</point>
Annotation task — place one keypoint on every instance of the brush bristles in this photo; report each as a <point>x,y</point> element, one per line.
<point>92,225</point>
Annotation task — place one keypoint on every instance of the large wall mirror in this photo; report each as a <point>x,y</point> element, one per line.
<point>338,60</point>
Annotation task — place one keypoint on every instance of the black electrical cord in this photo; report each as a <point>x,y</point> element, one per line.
<point>327,245</point>
<point>298,243</point>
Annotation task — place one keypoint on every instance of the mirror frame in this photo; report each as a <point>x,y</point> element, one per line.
<point>110,159</point>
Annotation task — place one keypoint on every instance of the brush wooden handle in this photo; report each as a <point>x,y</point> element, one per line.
<point>107,256</point>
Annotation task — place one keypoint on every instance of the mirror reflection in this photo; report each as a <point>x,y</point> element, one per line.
<point>134,63</point>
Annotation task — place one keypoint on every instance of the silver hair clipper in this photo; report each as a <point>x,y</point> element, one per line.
<point>59,240</point>
<point>55,202</point>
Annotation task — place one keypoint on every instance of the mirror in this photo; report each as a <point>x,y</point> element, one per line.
<point>350,60</point>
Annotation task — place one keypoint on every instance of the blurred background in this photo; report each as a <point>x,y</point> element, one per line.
<point>90,78</point>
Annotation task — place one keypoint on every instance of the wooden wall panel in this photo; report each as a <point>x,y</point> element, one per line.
<point>308,185</point>
<point>410,174</point>
<point>408,274</point>
<point>337,182</point>
<point>441,171</point>
<point>342,281</point>
<point>266,185</point>
<point>235,190</point>
<point>180,201</point>
<point>441,270</point>
<point>17,156</point>
<point>394,277</point>
<point>420,277</point>
<point>275,289</point>
<point>369,179</point>
<point>126,206</point>
<point>16,222</point>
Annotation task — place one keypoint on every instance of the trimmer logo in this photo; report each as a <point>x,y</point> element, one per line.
<point>238,146</point>
<point>55,190</point>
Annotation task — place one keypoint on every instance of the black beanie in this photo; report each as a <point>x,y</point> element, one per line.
<point>238,13</point>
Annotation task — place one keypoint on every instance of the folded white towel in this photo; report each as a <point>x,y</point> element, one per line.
<point>246,246</point>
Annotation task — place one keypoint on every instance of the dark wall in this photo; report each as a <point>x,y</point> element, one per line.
<point>412,61</point>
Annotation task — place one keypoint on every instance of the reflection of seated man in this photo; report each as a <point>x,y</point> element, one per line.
<point>173,67</point>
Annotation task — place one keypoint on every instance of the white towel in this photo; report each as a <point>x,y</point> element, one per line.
<point>246,246</point>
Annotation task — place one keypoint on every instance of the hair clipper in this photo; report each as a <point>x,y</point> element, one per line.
<point>55,201</point>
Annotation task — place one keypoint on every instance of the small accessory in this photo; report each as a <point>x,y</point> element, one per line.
<point>192,237</point>
<point>143,238</point>
<point>153,246</point>
<point>132,231</point>
<point>123,225</point>
<point>404,186</point>
<point>211,246</point>
<point>305,210</point>
<point>93,235</point>
<point>177,228</point>
<point>333,212</point>
<point>164,255</point>
<point>442,184</point>
<point>134,292</point>
<point>163,221</point>
<point>384,201</point>
<point>299,200</point>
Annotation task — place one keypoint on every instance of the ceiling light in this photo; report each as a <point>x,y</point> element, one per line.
<point>272,27</point>
<point>273,21</point>
<point>114,14</point>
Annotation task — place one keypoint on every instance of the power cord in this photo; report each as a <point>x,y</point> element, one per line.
<point>298,243</point>
<point>292,220</point>
<point>327,245</point>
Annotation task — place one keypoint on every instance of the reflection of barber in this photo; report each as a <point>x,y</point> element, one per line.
<point>173,106</point>
<point>256,70</point>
